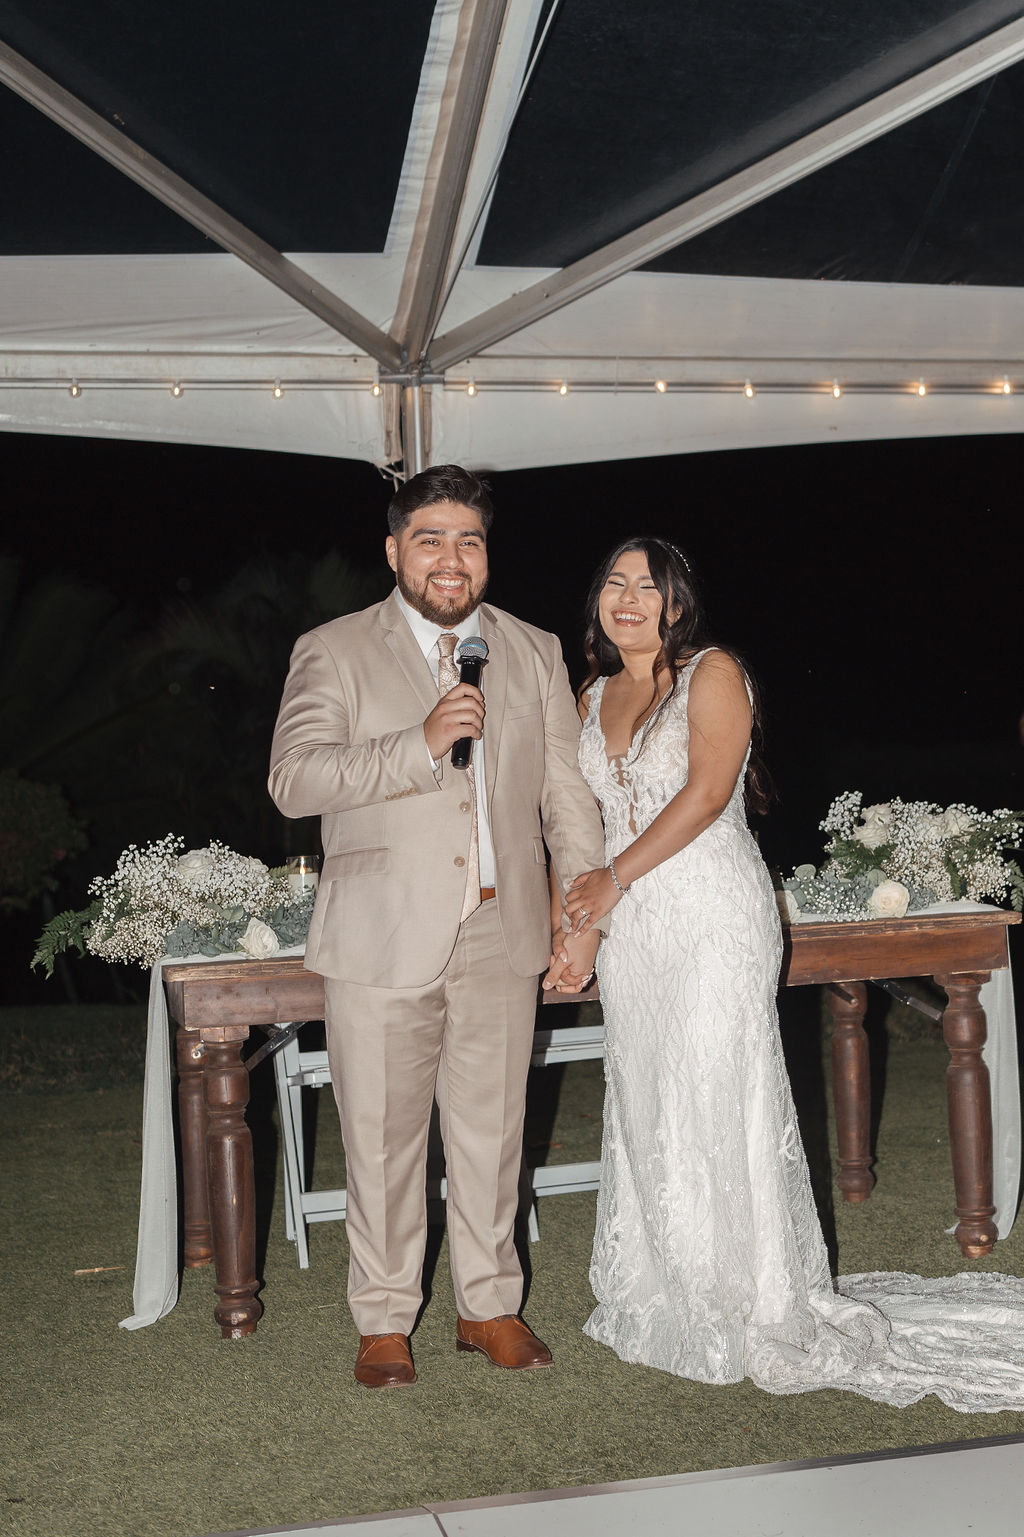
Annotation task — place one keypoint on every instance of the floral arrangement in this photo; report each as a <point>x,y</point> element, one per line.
<point>163,901</point>
<point>886,860</point>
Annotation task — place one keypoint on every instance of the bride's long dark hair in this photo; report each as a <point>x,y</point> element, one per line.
<point>681,639</point>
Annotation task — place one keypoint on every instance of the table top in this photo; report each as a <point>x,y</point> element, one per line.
<point>231,995</point>
<point>922,944</point>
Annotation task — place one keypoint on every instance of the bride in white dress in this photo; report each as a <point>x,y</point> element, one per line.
<point>709,1260</point>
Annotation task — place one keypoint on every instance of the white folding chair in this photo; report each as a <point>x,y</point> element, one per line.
<point>296,1069</point>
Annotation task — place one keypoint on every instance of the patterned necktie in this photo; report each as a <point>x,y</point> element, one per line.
<point>447,677</point>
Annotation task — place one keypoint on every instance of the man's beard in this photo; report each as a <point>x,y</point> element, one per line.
<point>447,612</point>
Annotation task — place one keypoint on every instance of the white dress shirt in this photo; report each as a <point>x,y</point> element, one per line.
<point>426,633</point>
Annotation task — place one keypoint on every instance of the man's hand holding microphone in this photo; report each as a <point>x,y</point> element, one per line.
<point>457,720</point>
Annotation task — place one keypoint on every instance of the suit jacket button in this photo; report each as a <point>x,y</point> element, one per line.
<point>464,805</point>
<point>459,861</point>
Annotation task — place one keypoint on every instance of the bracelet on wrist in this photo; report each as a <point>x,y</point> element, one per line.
<point>618,885</point>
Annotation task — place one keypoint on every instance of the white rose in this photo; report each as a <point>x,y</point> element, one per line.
<point>872,835</point>
<point>194,865</point>
<point>874,826</point>
<point>890,899</point>
<point>259,940</point>
<point>256,865</point>
<point>789,907</point>
<point>955,822</point>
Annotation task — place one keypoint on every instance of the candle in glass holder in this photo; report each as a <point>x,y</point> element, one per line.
<point>303,871</point>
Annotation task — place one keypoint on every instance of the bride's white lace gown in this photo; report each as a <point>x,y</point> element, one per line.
<point>709,1261</point>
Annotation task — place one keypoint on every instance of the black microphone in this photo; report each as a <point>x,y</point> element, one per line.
<point>472,656</point>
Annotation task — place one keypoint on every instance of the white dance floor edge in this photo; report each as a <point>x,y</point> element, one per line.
<point>928,1491</point>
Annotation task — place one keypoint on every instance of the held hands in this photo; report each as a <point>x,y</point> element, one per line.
<point>456,714</point>
<point>571,967</point>
<point>589,897</point>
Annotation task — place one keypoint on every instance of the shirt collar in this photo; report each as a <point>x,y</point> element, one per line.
<point>426,632</point>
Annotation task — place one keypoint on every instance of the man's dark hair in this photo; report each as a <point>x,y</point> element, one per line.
<point>440,483</point>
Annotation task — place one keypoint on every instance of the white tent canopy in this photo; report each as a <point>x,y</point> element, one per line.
<point>432,349</point>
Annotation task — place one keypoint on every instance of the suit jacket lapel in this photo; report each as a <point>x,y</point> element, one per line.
<point>401,644</point>
<point>495,687</point>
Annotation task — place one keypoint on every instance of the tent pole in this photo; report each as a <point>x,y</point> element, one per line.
<point>414,447</point>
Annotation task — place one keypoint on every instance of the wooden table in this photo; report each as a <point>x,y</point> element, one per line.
<point>216,1005</point>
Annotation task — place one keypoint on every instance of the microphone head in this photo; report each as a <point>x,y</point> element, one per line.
<point>473,649</point>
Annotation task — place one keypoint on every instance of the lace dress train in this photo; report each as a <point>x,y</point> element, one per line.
<point>708,1259</point>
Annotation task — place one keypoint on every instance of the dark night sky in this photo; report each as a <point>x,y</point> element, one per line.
<point>874,587</point>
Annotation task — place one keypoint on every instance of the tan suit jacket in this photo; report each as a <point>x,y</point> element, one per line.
<point>349,747</point>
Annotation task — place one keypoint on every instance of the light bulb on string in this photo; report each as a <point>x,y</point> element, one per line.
<point>749,390</point>
<point>176,389</point>
<point>836,390</point>
<point>922,388</point>
<point>1006,387</point>
<point>471,388</point>
<point>660,386</point>
<point>563,388</point>
<point>74,389</point>
<point>375,388</point>
<point>278,391</point>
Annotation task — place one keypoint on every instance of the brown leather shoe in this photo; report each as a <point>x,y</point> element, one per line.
<point>384,1361</point>
<point>505,1341</point>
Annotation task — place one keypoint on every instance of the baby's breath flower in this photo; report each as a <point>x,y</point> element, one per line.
<point>936,854</point>
<point>212,894</point>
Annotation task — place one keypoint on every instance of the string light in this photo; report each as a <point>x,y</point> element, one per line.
<point>999,385</point>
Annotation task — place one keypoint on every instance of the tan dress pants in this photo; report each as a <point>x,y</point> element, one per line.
<point>466,1039</point>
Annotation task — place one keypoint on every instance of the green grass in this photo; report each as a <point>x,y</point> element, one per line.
<point>173,1432</point>
<point>56,1049</point>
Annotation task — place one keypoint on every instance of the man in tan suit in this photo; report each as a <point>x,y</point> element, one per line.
<point>432,921</point>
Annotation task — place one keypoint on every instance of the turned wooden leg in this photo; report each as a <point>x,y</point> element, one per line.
<point>232,1192</point>
<point>970,1111</point>
<point>851,1087</point>
<point>192,1118</point>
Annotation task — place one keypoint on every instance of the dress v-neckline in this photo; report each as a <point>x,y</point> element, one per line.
<point>621,759</point>
<point>612,759</point>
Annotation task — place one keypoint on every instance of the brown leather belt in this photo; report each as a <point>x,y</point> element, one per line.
<point>487,893</point>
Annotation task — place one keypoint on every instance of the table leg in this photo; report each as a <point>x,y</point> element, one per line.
<point>970,1111</point>
<point>851,1087</point>
<point>192,1119</point>
<point>232,1189</point>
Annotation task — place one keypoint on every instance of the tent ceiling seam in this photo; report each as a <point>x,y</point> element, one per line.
<point>470,72</point>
